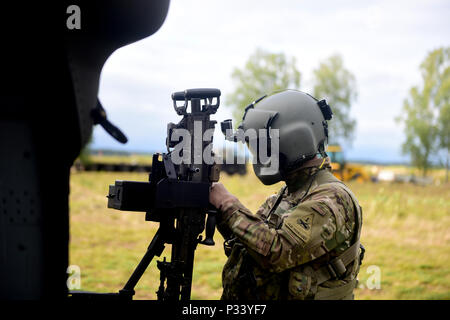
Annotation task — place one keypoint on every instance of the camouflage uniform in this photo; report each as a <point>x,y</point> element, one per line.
<point>300,244</point>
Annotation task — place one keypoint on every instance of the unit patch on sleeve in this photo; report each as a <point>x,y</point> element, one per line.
<point>301,228</point>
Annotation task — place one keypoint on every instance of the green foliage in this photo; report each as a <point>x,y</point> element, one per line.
<point>264,72</point>
<point>267,72</point>
<point>426,112</point>
<point>442,100</point>
<point>420,130</point>
<point>337,85</point>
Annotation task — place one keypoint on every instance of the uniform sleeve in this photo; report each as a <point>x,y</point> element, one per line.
<point>223,227</point>
<point>308,231</point>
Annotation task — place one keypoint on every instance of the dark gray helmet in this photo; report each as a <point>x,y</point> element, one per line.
<point>301,121</point>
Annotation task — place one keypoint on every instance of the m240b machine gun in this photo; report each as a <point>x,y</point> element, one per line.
<point>176,196</point>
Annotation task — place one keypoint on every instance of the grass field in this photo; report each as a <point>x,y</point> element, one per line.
<point>406,233</point>
<point>131,159</point>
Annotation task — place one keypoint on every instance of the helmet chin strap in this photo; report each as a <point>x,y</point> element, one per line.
<point>323,161</point>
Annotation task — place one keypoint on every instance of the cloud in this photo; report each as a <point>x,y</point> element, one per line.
<point>382,43</point>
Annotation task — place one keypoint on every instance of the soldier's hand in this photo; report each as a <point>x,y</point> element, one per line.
<point>219,195</point>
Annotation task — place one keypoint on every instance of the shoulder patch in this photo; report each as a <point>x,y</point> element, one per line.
<point>302,228</point>
<point>306,222</point>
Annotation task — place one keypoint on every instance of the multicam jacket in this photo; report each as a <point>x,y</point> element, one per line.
<point>302,243</point>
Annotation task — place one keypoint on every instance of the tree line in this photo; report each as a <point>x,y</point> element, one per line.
<point>425,112</point>
<point>265,72</point>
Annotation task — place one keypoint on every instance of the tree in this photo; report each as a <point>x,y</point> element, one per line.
<point>438,62</point>
<point>420,129</point>
<point>264,72</point>
<point>336,84</point>
<point>426,111</point>
<point>444,133</point>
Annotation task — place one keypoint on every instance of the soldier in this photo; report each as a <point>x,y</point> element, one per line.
<point>302,243</point>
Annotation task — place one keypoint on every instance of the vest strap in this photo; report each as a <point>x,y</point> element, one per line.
<point>337,267</point>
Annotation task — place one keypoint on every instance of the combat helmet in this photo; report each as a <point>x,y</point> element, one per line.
<point>302,130</point>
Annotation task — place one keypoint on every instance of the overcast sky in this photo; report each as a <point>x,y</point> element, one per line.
<point>382,44</point>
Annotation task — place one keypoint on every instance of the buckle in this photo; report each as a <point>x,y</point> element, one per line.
<point>228,245</point>
<point>331,271</point>
<point>336,268</point>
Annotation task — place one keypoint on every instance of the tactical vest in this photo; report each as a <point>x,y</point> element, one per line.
<point>337,266</point>
<point>319,280</point>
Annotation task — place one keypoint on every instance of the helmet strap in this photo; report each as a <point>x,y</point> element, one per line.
<point>323,161</point>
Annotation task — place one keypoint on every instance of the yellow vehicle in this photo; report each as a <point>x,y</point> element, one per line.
<point>343,170</point>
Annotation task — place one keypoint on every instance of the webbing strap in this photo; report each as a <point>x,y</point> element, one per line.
<point>336,267</point>
<point>275,205</point>
<point>350,254</point>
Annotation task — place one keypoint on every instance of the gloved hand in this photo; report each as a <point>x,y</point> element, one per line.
<point>219,196</point>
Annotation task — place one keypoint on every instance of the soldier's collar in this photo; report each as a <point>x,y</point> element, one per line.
<point>300,176</point>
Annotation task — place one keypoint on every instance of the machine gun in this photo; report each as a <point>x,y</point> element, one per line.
<point>176,196</point>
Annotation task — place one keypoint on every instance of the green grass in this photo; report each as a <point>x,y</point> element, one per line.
<point>142,159</point>
<point>406,232</point>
